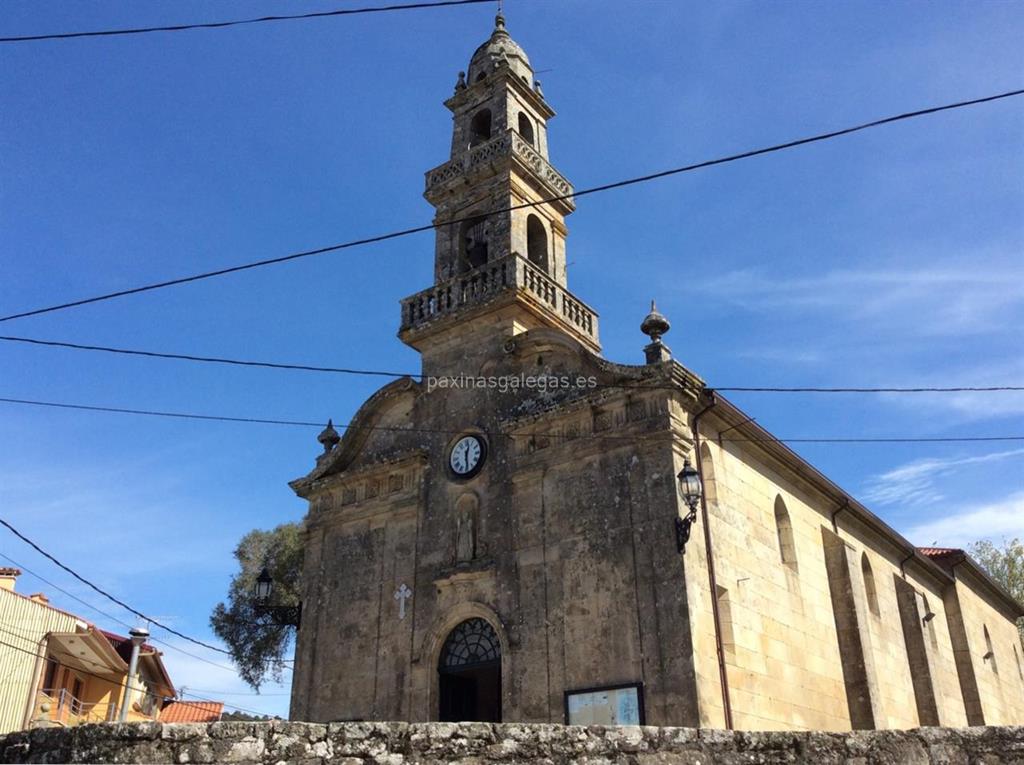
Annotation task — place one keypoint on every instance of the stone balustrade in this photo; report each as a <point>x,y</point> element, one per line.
<point>483,284</point>
<point>506,144</point>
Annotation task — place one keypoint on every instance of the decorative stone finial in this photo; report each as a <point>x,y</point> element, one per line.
<point>499,22</point>
<point>329,437</point>
<point>654,326</point>
<point>460,84</point>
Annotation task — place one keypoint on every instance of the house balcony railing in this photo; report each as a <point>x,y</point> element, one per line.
<point>506,144</point>
<point>484,284</point>
<point>59,707</point>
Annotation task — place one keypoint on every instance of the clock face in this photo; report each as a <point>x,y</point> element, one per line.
<point>467,456</point>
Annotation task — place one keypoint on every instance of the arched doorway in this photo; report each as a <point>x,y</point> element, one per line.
<point>469,674</point>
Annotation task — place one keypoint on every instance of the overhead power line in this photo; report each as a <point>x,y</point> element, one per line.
<point>121,684</point>
<point>101,612</point>
<point>958,389</point>
<point>106,594</point>
<point>477,216</point>
<point>631,439</point>
<point>239,22</point>
<point>206,359</point>
<point>382,373</point>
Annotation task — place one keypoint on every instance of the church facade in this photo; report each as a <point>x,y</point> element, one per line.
<point>506,539</point>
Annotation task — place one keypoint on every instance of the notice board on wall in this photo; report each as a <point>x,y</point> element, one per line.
<point>611,705</point>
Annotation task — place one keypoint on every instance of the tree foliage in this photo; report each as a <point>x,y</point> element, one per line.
<point>1005,564</point>
<point>237,716</point>
<point>258,645</point>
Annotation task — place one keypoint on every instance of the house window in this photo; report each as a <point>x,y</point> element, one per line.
<point>784,529</point>
<point>1016,658</point>
<point>75,703</point>
<point>869,584</point>
<point>50,678</point>
<point>148,703</point>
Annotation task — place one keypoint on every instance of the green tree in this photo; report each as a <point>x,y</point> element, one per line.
<point>1005,564</point>
<point>258,645</point>
<point>246,717</point>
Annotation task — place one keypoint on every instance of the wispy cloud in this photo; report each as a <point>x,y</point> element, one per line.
<point>947,300</point>
<point>994,520</point>
<point>913,484</point>
<point>783,355</point>
<point>967,406</point>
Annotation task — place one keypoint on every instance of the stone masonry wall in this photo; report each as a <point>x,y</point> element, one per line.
<point>481,743</point>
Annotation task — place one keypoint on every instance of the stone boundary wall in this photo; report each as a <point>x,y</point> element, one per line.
<point>482,743</point>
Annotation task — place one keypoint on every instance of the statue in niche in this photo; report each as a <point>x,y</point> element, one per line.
<point>467,513</point>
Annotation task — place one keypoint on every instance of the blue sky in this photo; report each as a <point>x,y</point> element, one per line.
<point>893,257</point>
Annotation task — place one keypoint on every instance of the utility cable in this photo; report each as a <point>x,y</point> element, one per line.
<point>239,22</point>
<point>113,618</point>
<point>477,216</point>
<point>120,684</point>
<point>382,373</point>
<point>204,359</point>
<point>106,594</point>
<point>551,436</point>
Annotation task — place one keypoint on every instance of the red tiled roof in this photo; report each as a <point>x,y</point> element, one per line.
<point>951,557</point>
<point>9,571</point>
<point>938,552</point>
<point>123,645</point>
<point>192,711</point>
<point>946,557</point>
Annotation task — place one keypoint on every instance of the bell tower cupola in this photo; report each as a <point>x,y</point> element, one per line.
<point>500,207</point>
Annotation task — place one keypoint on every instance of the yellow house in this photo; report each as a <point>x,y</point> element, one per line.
<point>57,669</point>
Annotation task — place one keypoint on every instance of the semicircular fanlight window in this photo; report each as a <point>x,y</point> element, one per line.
<point>471,642</point>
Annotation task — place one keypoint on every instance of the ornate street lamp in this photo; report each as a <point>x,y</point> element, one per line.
<point>690,490</point>
<point>285,616</point>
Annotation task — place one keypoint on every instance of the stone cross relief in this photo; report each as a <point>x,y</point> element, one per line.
<point>402,594</point>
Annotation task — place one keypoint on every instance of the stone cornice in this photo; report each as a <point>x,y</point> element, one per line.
<point>757,438</point>
<point>477,91</point>
<point>506,148</point>
<point>356,433</point>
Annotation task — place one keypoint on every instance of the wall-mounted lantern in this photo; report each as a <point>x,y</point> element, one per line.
<point>285,616</point>
<point>690,490</point>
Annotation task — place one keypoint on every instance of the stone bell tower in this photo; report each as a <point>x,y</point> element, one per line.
<point>500,244</point>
